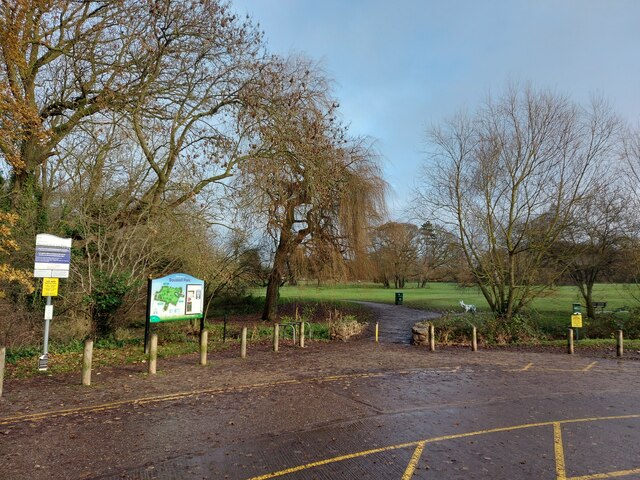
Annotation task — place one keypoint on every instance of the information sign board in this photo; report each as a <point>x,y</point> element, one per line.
<point>576,320</point>
<point>176,297</point>
<point>53,256</point>
<point>50,287</point>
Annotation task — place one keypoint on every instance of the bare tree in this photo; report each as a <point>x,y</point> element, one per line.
<point>174,76</point>
<point>394,249</point>
<point>508,181</point>
<point>306,178</point>
<point>62,62</point>
<point>596,241</point>
<point>202,61</point>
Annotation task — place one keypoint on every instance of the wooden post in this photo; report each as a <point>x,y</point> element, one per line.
<point>224,329</point>
<point>474,339</point>
<point>619,346</point>
<point>243,344</point>
<point>376,332</point>
<point>153,353</point>
<point>86,362</point>
<point>204,343</point>
<point>570,341</point>
<point>3,354</point>
<point>276,336</point>
<point>432,338</point>
<point>302,334</point>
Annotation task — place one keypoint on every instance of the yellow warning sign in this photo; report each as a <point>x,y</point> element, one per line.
<point>50,287</point>
<point>576,320</point>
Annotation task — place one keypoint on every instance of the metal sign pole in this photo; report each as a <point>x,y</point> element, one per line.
<point>147,320</point>
<point>52,260</point>
<point>43,361</point>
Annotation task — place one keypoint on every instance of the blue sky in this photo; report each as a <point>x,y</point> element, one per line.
<point>400,66</point>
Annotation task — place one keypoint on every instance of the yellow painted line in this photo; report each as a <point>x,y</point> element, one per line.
<point>32,417</point>
<point>596,476</point>
<point>136,401</point>
<point>555,424</point>
<point>332,460</point>
<point>523,369</point>
<point>528,366</point>
<point>413,463</point>
<point>565,370</point>
<point>561,470</point>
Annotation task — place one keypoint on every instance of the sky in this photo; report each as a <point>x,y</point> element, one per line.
<point>402,66</point>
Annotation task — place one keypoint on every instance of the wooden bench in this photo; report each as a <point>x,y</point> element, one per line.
<point>600,305</point>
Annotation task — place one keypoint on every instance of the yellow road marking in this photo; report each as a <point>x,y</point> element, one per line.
<point>565,370</point>
<point>523,369</point>
<point>597,476</point>
<point>450,437</point>
<point>220,390</point>
<point>561,471</point>
<point>31,417</point>
<point>178,396</point>
<point>332,460</point>
<point>413,463</point>
<point>528,366</point>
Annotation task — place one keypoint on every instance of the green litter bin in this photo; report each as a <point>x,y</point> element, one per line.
<point>399,297</point>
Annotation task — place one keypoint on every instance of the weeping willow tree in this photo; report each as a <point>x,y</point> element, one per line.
<point>313,185</point>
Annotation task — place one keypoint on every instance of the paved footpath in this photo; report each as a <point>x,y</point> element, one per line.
<point>395,322</point>
<point>342,411</point>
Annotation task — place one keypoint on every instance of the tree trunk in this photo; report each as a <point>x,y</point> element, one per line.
<point>587,294</point>
<point>585,280</point>
<point>273,293</point>
<point>275,278</point>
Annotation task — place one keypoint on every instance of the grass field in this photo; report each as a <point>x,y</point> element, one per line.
<point>445,296</point>
<point>551,311</point>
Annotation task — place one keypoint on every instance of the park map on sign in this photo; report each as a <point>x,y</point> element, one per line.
<point>168,296</point>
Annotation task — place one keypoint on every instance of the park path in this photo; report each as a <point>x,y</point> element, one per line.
<point>395,321</point>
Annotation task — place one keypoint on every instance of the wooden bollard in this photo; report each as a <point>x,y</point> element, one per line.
<point>474,339</point>
<point>243,343</point>
<point>432,337</point>
<point>87,356</point>
<point>570,341</point>
<point>3,354</point>
<point>204,343</point>
<point>619,346</point>
<point>301,334</point>
<point>153,353</point>
<point>276,337</point>
<point>376,332</point>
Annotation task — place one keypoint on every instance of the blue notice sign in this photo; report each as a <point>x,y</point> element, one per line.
<point>57,255</point>
<point>53,256</point>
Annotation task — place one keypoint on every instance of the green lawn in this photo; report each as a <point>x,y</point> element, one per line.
<point>551,311</point>
<point>445,296</point>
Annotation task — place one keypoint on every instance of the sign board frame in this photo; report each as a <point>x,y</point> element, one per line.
<point>53,256</point>
<point>175,297</point>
